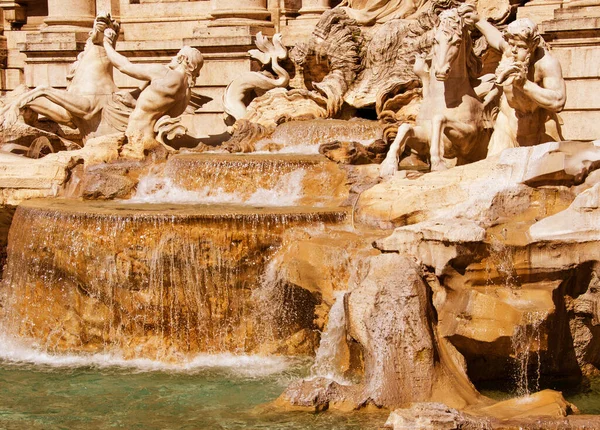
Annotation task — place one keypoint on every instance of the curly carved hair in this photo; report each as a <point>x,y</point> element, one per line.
<point>525,30</point>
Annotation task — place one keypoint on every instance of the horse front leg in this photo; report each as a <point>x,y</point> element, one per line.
<point>75,105</point>
<point>436,146</point>
<point>390,164</point>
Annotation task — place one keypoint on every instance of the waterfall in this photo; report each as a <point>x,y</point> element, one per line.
<point>526,344</point>
<point>151,281</point>
<point>258,180</point>
<point>333,340</point>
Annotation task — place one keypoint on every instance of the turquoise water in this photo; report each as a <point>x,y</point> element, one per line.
<point>43,396</point>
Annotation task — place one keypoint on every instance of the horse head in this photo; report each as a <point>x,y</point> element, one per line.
<point>448,39</point>
<point>451,37</point>
<point>103,21</point>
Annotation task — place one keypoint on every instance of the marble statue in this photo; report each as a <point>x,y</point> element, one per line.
<point>167,92</point>
<point>237,91</point>
<point>369,12</point>
<point>450,119</point>
<point>531,85</point>
<point>89,91</point>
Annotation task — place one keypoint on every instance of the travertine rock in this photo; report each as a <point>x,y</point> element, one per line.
<point>543,410</point>
<point>578,223</point>
<point>483,192</point>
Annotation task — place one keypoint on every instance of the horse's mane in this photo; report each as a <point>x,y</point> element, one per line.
<point>455,19</point>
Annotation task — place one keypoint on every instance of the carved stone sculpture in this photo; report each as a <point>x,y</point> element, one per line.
<point>267,53</point>
<point>531,85</point>
<point>167,92</point>
<point>369,12</point>
<point>330,61</point>
<point>450,120</point>
<point>89,91</point>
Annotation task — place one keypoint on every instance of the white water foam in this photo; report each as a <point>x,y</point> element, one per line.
<point>158,189</point>
<point>15,351</point>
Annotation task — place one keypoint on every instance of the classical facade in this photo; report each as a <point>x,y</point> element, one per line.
<point>41,39</point>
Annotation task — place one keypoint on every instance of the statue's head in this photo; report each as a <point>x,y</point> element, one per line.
<point>523,38</point>
<point>192,60</point>
<point>103,21</point>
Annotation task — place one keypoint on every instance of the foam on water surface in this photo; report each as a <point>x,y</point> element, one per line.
<point>18,352</point>
<point>156,189</point>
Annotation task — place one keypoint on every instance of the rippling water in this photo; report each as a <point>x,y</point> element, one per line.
<point>209,392</point>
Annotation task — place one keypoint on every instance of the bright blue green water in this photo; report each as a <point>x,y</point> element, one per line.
<point>43,396</point>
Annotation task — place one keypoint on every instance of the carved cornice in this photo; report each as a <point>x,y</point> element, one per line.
<point>15,12</point>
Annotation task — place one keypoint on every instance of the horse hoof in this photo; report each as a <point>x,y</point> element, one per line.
<point>438,166</point>
<point>386,170</point>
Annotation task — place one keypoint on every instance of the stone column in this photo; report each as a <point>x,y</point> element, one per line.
<point>313,8</point>
<point>239,12</point>
<point>70,15</point>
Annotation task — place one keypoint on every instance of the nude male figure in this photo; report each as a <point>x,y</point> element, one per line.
<point>167,91</point>
<point>532,85</point>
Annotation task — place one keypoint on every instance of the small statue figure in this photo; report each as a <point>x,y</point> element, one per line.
<point>531,84</point>
<point>237,91</point>
<point>89,91</point>
<point>167,91</point>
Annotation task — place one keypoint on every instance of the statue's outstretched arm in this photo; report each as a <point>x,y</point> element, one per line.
<point>143,73</point>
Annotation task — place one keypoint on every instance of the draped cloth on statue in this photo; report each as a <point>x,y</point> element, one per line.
<point>370,12</point>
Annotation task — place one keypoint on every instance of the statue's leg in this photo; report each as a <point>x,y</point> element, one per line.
<point>436,149</point>
<point>51,110</point>
<point>76,105</point>
<point>390,164</point>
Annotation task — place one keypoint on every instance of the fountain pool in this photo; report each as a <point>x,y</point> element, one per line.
<point>217,392</point>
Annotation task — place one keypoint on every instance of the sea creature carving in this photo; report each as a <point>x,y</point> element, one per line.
<point>268,52</point>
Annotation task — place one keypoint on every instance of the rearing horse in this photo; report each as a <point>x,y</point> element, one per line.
<point>450,121</point>
<point>89,92</point>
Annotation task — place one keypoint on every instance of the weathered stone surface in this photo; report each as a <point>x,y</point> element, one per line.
<point>544,410</point>
<point>578,223</point>
<point>323,265</point>
<point>319,394</point>
<point>483,192</point>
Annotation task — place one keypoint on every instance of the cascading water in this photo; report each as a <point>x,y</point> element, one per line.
<point>154,281</point>
<point>526,342</point>
<point>257,179</point>
<point>333,340</point>
<point>502,260</point>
